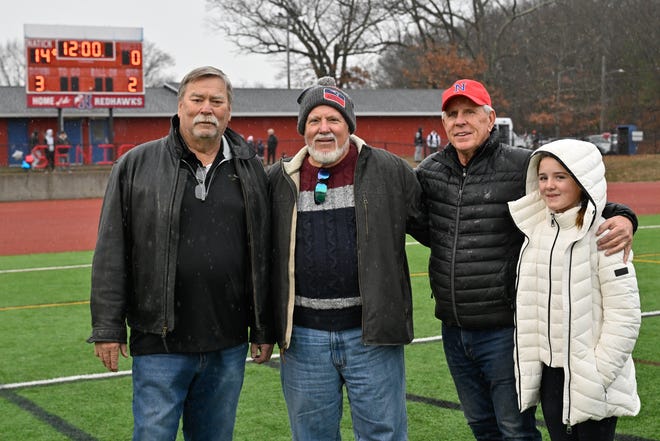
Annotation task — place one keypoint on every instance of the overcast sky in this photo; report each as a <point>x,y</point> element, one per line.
<point>177,27</point>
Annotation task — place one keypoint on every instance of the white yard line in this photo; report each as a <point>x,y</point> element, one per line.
<point>46,268</point>
<point>100,376</point>
<point>88,265</point>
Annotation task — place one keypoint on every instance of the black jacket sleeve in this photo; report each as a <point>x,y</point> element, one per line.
<point>613,209</point>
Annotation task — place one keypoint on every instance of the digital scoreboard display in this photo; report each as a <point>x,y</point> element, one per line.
<point>84,66</point>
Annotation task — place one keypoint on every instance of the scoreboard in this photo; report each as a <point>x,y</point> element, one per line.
<point>83,66</point>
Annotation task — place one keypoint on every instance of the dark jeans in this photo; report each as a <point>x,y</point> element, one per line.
<point>481,364</point>
<point>552,402</point>
<point>271,157</point>
<point>50,157</point>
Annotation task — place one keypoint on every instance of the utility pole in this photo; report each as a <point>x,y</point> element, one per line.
<point>288,61</point>
<point>603,96</point>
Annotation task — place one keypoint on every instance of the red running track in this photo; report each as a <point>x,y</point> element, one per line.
<point>71,225</point>
<point>48,226</point>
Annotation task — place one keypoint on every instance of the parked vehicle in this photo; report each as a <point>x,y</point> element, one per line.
<point>508,136</point>
<point>604,142</point>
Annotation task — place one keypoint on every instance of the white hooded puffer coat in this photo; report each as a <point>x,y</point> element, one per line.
<point>600,301</point>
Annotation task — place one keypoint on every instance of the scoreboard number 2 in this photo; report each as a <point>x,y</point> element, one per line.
<point>132,84</point>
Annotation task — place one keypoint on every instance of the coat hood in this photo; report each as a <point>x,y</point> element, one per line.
<point>583,161</point>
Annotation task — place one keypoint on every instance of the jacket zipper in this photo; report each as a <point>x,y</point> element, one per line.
<point>567,374</point>
<point>166,274</point>
<point>365,204</point>
<point>567,352</point>
<point>515,322</point>
<point>459,202</point>
<point>207,183</point>
<point>553,223</point>
<point>248,220</point>
<point>295,190</point>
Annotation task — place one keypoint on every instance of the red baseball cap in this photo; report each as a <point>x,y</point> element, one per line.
<point>471,89</point>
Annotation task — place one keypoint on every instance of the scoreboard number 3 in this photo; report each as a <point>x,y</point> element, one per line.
<point>39,83</point>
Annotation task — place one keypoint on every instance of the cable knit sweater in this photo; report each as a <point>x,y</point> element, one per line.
<point>591,328</point>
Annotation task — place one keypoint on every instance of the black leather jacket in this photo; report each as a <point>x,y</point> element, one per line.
<point>134,263</point>
<point>473,239</point>
<point>387,201</point>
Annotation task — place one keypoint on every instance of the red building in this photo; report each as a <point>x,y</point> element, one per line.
<point>386,118</point>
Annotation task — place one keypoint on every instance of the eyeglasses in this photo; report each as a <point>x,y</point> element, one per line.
<point>200,188</point>
<point>321,189</point>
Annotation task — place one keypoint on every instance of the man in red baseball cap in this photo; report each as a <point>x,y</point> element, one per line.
<point>467,116</point>
<point>474,250</point>
<point>474,90</point>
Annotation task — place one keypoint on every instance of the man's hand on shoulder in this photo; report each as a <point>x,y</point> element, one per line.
<point>619,236</point>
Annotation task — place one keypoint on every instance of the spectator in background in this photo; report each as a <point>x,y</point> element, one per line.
<point>49,141</point>
<point>260,149</point>
<point>433,141</point>
<point>419,145</point>
<point>34,140</point>
<point>29,159</point>
<point>182,259</point>
<point>271,145</point>
<point>62,148</point>
<point>536,140</point>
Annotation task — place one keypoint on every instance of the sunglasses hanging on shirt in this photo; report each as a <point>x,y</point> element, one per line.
<point>200,188</point>
<point>321,189</point>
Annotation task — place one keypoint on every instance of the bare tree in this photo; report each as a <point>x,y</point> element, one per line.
<point>336,38</point>
<point>583,64</point>
<point>12,64</point>
<point>474,27</point>
<point>156,61</point>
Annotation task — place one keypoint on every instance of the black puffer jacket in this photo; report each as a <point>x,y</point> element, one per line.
<point>474,242</point>
<point>135,259</point>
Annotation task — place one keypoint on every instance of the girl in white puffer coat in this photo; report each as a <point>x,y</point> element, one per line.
<point>577,310</point>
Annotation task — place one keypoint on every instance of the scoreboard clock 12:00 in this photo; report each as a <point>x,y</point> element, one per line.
<point>83,66</point>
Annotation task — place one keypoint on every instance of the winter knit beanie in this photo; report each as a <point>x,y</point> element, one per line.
<point>325,92</point>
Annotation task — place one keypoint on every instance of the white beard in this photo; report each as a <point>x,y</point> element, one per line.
<point>328,157</point>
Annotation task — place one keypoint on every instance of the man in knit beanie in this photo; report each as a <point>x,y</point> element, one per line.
<point>325,92</point>
<point>340,213</point>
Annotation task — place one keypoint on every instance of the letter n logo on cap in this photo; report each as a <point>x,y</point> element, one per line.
<point>459,87</point>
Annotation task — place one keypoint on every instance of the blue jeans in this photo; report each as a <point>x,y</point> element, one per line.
<point>481,364</point>
<point>316,367</point>
<point>203,387</point>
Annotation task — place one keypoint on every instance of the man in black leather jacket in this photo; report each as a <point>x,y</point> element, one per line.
<point>474,250</point>
<point>182,259</point>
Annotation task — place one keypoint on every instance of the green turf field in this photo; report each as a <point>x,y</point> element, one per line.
<point>44,321</point>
